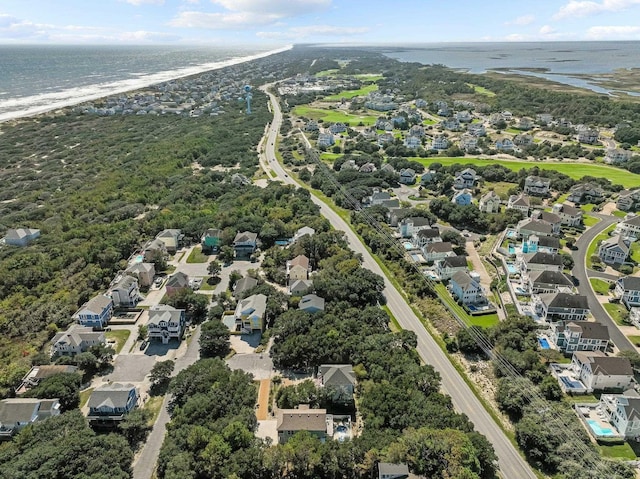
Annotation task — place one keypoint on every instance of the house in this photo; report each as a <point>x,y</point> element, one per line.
<point>584,336</point>
<point>540,261</point>
<point>396,215</point>
<point>166,323</point>
<point>411,225</point>
<point>407,176</point>
<point>447,267</point>
<point>628,290</point>
<point>585,193</point>
<point>490,202</point>
<point>338,127</point>
<point>466,288</point>
<point>368,168</point>
<point>171,239</point>
<point>629,200</point>
<point>465,179</point>
<point>555,307</point>
<point>38,373</point>
<point>75,340</point>
<point>96,312</point>
<point>569,215</point>
<point>245,244</point>
<point>211,240</point>
<point>249,313</point>
<point>536,185</point>
<point>388,168</point>
<point>504,144</point>
<point>300,287</point>
<point>462,197</point>
<point>312,125</point>
<point>291,421</point>
<point>153,250</point>
<point>629,228</point>
<point>243,285</point>
<point>305,230</point>
<point>525,123</point>
<point>544,118</point>
<point>298,268</point>
<point>476,129</point>
<point>340,378</point>
<point>110,403</point>
<point>440,143</point>
<point>21,236</point>
<point>428,177</point>
<point>523,140</point>
<point>436,251</point>
<point>385,138</point>
<point>599,372</point>
<point>177,282</point>
<point>529,226</point>
<point>544,244</point>
<point>238,179</point>
<point>325,140</point>
<point>426,236</point>
<point>452,124</point>
<point>548,281</point>
<point>125,293</point>
<point>507,115</point>
<point>412,142</point>
<point>416,130</point>
<point>587,135</point>
<point>311,303</point>
<point>349,165</point>
<point>520,202</point>
<point>16,413</point>
<point>614,250</point>
<point>634,316</point>
<point>463,116</point>
<point>495,119</point>
<point>144,272</point>
<point>551,218</point>
<point>468,142</point>
<point>623,412</point>
<point>378,197</point>
<point>387,470</point>
<point>617,156</point>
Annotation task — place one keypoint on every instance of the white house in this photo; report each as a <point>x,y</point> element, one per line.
<point>21,236</point>
<point>436,251</point>
<point>447,267</point>
<point>504,144</point>
<point>628,290</point>
<point>614,250</point>
<point>599,372</point>
<point>569,215</point>
<point>585,193</point>
<point>629,200</point>
<point>125,293</point>
<point>587,135</point>
<point>75,340</point>
<point>520,202</point>
<point>528,227</point>
<point>249,313</point>
<point>490,202</point>
<point>440,143</point>
<point>16,413</point>
<point>540,261</point>
<point>407,176</point>
<point>617,156</point>
<point>583,336</point>
<point>468,142</point>
<point>536,185</point>
<point>547,281</point>
<point>166,323</point>
<point>465,179</point>
<point>426,236</point>
<point>411,225</point>
<point>623,412</point>
<point>171,239</point>
<point>629,228</point>
<point>555,307</point>
<point>466,288</point>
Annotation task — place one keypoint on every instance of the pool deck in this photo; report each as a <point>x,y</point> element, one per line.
<point>588,412</point>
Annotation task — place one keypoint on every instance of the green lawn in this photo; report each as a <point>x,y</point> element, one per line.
<point>600,286</point>
<point>327,73</point>
<point>154,404</point>
<point>206,286</point>
<point>571,169</point>
<point>635,339</point>
<point>589,220</point>
<point>635,251</point>
<point>330,156</point>
<point>485,321</point>
<point>616,312</point>
<point>593,247</point>
<point>333,116</point>
<point>481,90</point>
<point>120,336</point>
<point>588,207</point>
<point>84,397</point>
<point>618,451</point>
<point>368,77</point>
<point>619,214</point>
<point>514,131</point>
<point>348,94</point>
<point>196,256</point>
<point>429,121</point>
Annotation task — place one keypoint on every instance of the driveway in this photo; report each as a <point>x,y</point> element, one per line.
<point>258,364</point>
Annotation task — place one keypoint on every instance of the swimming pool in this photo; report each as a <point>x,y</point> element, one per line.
<point>408,245</point>
<point>599,430</point>
<point>511,268</point>
<point>571,384</point>
<point>139,258</point>
<point>544,344</point>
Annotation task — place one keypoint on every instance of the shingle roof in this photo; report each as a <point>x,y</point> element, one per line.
<point>110,395</point>
<point>462,279</point>
<point>536,225</point>
<point>311,301</point>
<point>589,329</point>
<point>164,312</point>
<point>387,468</point>
<point>455,261</point>
<point>245,236</point>
<point>300,260</point>
<point>429,233</point>
<point>615,242</point>
<point>550,277</point>
<point>178,280</point>
<point>634,221</point>
<point>630,283</point>
<point>15,410</point>
<point>97,304</point>
<point>244,284</point>
<point>439,247</point>
<point>550,259</point>
<point>549,242</point>
<point>302,420</point>
<point>337,374</point>
<point>605,365</point>
<point>565,300</point>
<point>416,221</point>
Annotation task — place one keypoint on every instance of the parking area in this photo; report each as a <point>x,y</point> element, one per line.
<point>258,364</point>
<point>131,368</point>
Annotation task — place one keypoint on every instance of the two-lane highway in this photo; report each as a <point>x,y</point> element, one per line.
<point>512,465</point>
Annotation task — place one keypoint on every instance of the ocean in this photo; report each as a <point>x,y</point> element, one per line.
<point>40,78</point>
<point>556,61</point>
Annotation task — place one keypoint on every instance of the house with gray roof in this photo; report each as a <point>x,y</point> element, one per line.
<point>555,307</point>
<point>569,215</point>
<point>548,281</point>
<point>291,421</point>
<point>340,379</point>
<point>16,413</point>
<point>311,303</point>
<point>490,202</point>
<point>249,313</point>
<point>599,372</point>
<point>245,244</point>
<point>125,293</point>
<point>540,261</point>
<point>75,340</point>
<point>110,403</point>
<point>536,185</point>
<point>153,250</point>
<point>244,284</point>
<point>585,193</point>
<point>300,287</point>
<point>520,202</point>
<point>21,236</point>
<point>630,227</point>
<point>387,470</point>
<point>171,239</point>
<point>628,290</point>
<point>38,373</point>
<point>437,250</point>
<point>177,282</point>
<point>466,288</point>
<point>614,250</point>
<point>629,200</point>
<point>447,267</point>
<point>569,336</point>
<point>144,272</point>
<point>623,412</point>
<point>166,323</point>
<point>96,312</point>
<point>529,226</point>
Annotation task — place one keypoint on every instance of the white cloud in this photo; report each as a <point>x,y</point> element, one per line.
<point>580,8</point>
<point>547,30</point>
<point>299,33</point>
<point>137,3</point>
<point>280,8</point>
<point>614,32</point>
<point>516,37</point>
<point>220,21</point>
<point>523,20</point>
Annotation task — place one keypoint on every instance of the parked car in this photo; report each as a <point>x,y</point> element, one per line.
<point>158,281</point>
<point>196,283</point>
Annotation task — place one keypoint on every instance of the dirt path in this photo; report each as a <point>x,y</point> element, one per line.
<point>263,400</point>
<point>478,267</point>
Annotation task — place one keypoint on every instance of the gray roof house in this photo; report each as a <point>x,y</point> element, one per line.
<point>561,307</point>
<point>290,421</point>
<point>387,470</point>
<point>166,323</point>
<point>244,284</point>
<point>540,261</point>
<point>96,312</point>
<point>16,413</point>
<point>76,339</point>
<point>300,286</point>
<point>548,281</point>
<point>581,336</point>
<point>311,303</point>
<point>614,250</point>
<point>109,403</point>
<point>340,378</point>
<point>144,272</point>
<point>125,293</point>
<point>21,236</point>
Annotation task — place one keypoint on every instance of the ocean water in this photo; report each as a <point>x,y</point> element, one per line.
<point>39,78</point>
<point>556,61</point>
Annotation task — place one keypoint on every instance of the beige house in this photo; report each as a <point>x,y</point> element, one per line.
<point>298,268</point>
<point>145,273</point>
<point>291,421</point>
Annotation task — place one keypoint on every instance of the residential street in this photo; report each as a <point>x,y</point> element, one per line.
<point>512,464</point>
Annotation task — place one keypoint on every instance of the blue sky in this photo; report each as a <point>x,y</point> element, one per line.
<point>298,21</point>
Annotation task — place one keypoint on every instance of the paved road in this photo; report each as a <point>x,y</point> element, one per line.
<point>512,465</point>
<point>145,464</point>
<point>580,272</point>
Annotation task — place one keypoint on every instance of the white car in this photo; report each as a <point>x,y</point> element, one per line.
<point>196,283</point>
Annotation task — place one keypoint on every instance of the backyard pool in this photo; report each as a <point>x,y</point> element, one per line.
<point>544,344</point>
<point>571,384</point>
<point>511,268</point>
<point>139,258</point>
<point>599,430</point>
<point>408,245</point>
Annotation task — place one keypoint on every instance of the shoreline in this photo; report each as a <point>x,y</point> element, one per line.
<point>123,86</point>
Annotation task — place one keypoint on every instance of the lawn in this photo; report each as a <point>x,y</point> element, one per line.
<point>481,90</point>
<point>348,94</point>
<point>618,451</point>
<point>428,121</point>
<point>634,339</point>
<point>619,214</point>
<point>600,286</point>
<point>368,77</point>
<point>120,336</point>
<point>197,256</point>
<point>635,251</point>
<point>206,286</point>
<point>589,220</point>
<point>84,397</point>
<point>616,311</point>
<point>330,156</point>
<point>594,244</point>
<point>154,404</point>
<point>334,116</point>
<point>588,207</point>
<point>485,321</point>
<point>327,73</point>
<point>571,169</point>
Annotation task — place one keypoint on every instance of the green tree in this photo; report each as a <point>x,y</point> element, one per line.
<point>226,254</point>
<point>63,386</point>
<point>143,332</point>
<point>135,426</point>
<point>161,373</point>
<point>214,268</point>
<point>214,339</point>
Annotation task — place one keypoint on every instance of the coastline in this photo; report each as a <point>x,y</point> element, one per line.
<point>89,93</point>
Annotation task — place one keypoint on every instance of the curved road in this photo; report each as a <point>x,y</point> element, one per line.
<point>584,288</point>
<point>512,464</point>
